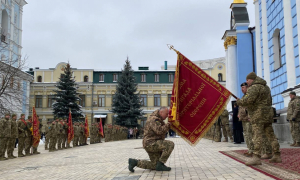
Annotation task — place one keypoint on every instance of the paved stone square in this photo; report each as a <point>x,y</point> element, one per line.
<point>110,161</point>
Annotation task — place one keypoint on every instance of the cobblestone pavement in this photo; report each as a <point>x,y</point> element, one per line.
<point>109,161</point>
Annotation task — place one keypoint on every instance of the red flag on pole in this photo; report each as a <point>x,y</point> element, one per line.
<point>197,101</point>
<point>35,128</point>
<point>101,128</point>
<point>86,127</point>
<point>70,128</point>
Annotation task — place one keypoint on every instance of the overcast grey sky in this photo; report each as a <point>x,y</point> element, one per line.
<point>98,34</point>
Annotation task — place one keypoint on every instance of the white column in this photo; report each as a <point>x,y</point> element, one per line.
<point>226,66</point>
<point>257,40</point>
<point>232,73</point>
<point>265,42</point>
<point>298,21</point>
<point>289,45</point>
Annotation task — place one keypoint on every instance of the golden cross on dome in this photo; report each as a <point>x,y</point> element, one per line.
<point>239,1</point>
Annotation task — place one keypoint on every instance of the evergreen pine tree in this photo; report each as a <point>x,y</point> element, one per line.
<point>126,101</point>
<point>66,96</point>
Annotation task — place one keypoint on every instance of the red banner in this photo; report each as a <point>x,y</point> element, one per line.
<point>86,127</point>
<point>35,128</point>
<point>197,101</point>
<point>70,128</point>
<point>101,128</point>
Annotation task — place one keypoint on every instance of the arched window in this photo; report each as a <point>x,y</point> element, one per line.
<point>86,79</point>
<point>39,79</point>
<point>220,77</point>
<point>4,25</point>
<point>277,49</point>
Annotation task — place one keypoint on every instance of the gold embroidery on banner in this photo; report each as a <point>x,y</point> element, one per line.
<point>202,102</point>
<point>221,102</point>
<point>186,93</point>
<point>192,100</point>
<point>182,83</point>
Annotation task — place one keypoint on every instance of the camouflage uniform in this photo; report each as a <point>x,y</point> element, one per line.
<point>47,136</point>
<point>12,139</point>
<point>217,135</point>
<point>60,130</point>
<point>258,102</point>
<point>225,125</point>
<point>293,113</point>
<point>154,142</point>
<point>28,139</point>
<point>53,137</point>
<point>247,128</point>
<point>76,136</point>
<point>22,134</point>
<point>92,134</point>
<point>5,131</point>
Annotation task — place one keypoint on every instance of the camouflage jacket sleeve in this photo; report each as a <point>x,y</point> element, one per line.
<point>158,128</point>
<point>249,98</point>
<point>297,108</point>
<point>243,116</point>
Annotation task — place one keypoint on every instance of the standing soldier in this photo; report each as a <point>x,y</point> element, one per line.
<point>47,127</point>
<point>5,131</point>
<point>258,102</point>
<point>217,135</point>
<point>28,140</point>
<point>76,135</point>
<point>92,133</point>
<point>13,137</point>
<point>293,116</point>
<point>66,134</point>
<point>52,135</point>
<point>225,126</point>
<point>60,128</point>
<point>22,134</point>
<point>243,116</point>
<point>105,132</point>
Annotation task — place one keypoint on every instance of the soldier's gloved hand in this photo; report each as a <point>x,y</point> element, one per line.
<point>294,119</point>
<point>287,120</point>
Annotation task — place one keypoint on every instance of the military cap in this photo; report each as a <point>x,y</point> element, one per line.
<point>293,93</point>
<point>29,117</point>
<point>14,115</point>
<point>7,114</point>
<point>244,84</point>
<point>251,75</point>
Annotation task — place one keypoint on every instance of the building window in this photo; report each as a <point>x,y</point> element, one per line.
<point>51,100</point>
<point>277,49</point>
<point>39,79</point>
<point>156,77</point>
<point>171,77</point>
<point>4,25</point>
<point>143,99</point>
<point>169,99</point>
<point>157,100</point>
<point>86,79</point>
<point>143,77</point>
<point>38,101</point>
<point>220,77</point>
<point>82,100</point>
<point>101,100</point>
<point>101,78</point>
<point>115,77</point>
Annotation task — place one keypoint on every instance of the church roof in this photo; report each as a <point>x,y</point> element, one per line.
<point>240,15</point>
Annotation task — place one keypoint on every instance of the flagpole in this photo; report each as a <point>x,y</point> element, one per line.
<point>171,47</point>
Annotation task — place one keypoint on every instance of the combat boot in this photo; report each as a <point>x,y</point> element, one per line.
<point>3,159</point>
<point>254,161</point>
<point>161,167</point>
<point>293,144</point>
<point>21,155</point>
<point>266,156</point>
<point>276,158</point>
<point>225,140</point>
<point>10,157</point>
<point>132,163</point>
<point>297,144</point>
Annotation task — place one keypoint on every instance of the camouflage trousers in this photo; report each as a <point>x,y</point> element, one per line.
<point>28,144</point>
<point>35,149</point>
<point>47,142</point>
<point>75,141</point>
<point>3,146</point>
<point>158,151</point>
<point>21,145</point>
<point>52,144</point>
<point>227,132</point>
<point>266,146</point>
<point>217,134</point>
<point>92,139</point>
<point>295,130</point>
<point>259,130</point>
<point>11,146</point>
<point>59,141</point>
<point>247,128</point>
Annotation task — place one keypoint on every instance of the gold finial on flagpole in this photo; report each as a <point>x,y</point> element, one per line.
<point>171,47</point>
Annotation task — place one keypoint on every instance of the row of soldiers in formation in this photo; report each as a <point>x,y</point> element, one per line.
<point>56,135</point>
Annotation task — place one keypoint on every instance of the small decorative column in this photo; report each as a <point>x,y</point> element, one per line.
<point>257,40</point>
